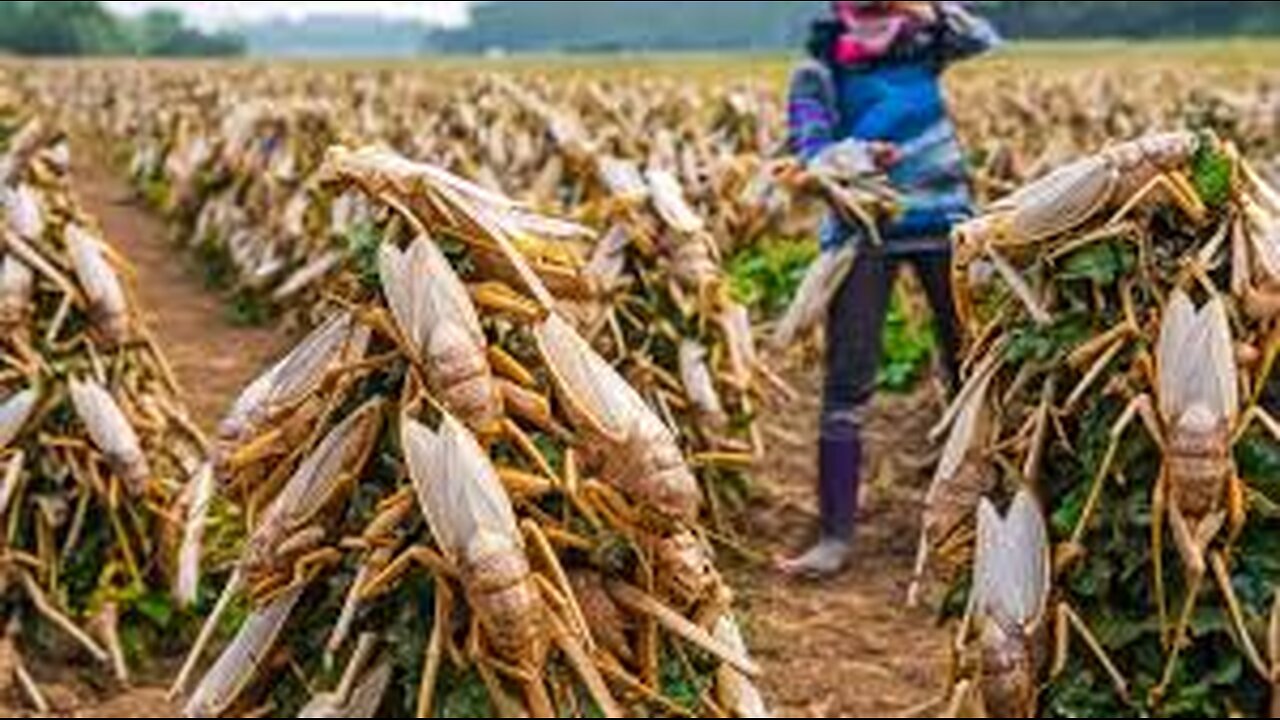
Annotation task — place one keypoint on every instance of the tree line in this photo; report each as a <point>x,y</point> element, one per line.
<point>88,28</point>
<point>584,26</point>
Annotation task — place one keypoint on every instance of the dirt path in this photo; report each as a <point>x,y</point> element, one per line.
<point>213,358</point>
<point>847,648</point>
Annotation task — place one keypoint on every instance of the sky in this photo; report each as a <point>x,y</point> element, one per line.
<point>223,14</point>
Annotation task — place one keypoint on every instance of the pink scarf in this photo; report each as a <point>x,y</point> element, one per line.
<point>870,30</point>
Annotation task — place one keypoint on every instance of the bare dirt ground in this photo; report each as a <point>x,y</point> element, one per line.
<point>70,698</point>
<point>846,648</point>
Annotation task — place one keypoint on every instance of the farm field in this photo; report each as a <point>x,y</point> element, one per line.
<point>436,246</point>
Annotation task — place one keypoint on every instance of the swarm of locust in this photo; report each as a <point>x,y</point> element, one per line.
<point>455,504</point>
<point>661,309</point>
<point>1123,316</point>
<point>645,288</point>
<point>103,482</point>
<point>243,196</point>
<point>1020,125</point>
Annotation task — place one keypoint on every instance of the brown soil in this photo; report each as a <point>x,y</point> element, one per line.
<point>847,647</point>
<point>71,699</point>
<point>212,357</point>
<point>844,648</point>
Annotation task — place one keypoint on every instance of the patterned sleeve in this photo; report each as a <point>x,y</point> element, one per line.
<point>811,116</point>
<point>962,34</point>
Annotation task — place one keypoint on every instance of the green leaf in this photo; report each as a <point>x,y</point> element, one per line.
<point>156,607</point>
<point>908,343</point>
<point>1211,174</point>
<point>1103,263</point>
<point>1259,462</point>
<point>362,242</point>
<point>766,275</point>
<point>1041,344</point>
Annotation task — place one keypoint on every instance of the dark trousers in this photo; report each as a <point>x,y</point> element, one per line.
<point>855,325</point>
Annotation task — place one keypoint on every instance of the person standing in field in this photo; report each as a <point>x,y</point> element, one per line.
<point>871,96</point>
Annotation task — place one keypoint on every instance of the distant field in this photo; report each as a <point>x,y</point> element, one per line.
<point>1215,55</point>
<point>1224,54</point>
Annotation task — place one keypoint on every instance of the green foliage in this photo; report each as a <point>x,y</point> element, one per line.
<point>155,192</point>
<point>162,33</point>
<point>157,608</point>
<point>339,35</point>
<point>464,696</point>
<point>1050,343</point>
<point>1112,584</point>
<point>362,245</point>
<point>575,26</point>
<point>908,343</point>
<point>766,275</point>
<point>1259,464</point>
<point>216,267</point>
<point>246,309</point>
<point>679,682</point>
<point>1103,263</point>
<point>609,26</point>
<point>1211,173</point>
<point>88,28</point>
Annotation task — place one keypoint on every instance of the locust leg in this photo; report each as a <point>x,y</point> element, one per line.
<point>1261,304</point>
<point>1273,653</point>
<point>1092,375</point>
<point>206,635</point>
<point>1159,508</point>
<point>347,616</point>
<point>1021,290</point>
<point>1179,190</point>
<point>1223,578</point>
<point>917,574</point>
<point>507,366</point>
<point>608,503</point>
<point>1034,459</point>
<point>434,653</point>
<point>1106,232</point>
<point>1192,546</point>
<point>527,447</point>
<point>503,704</point>
<point>1139,408</point>
<point>531,406</point>
<point>542,547</point>
<point>420,555</point>
<point>1067,621</point>
<point>581,660</point>
<point>26,683</point>
<point>1258,415</point>
<point>638,601</point>
<point>500,298</point>
<point>45,607</point>
<point>537,698</point>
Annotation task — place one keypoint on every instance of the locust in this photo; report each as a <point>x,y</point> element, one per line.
<point>1195,417</point>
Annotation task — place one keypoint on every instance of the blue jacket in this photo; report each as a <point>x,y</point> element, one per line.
<point>898,100</point>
